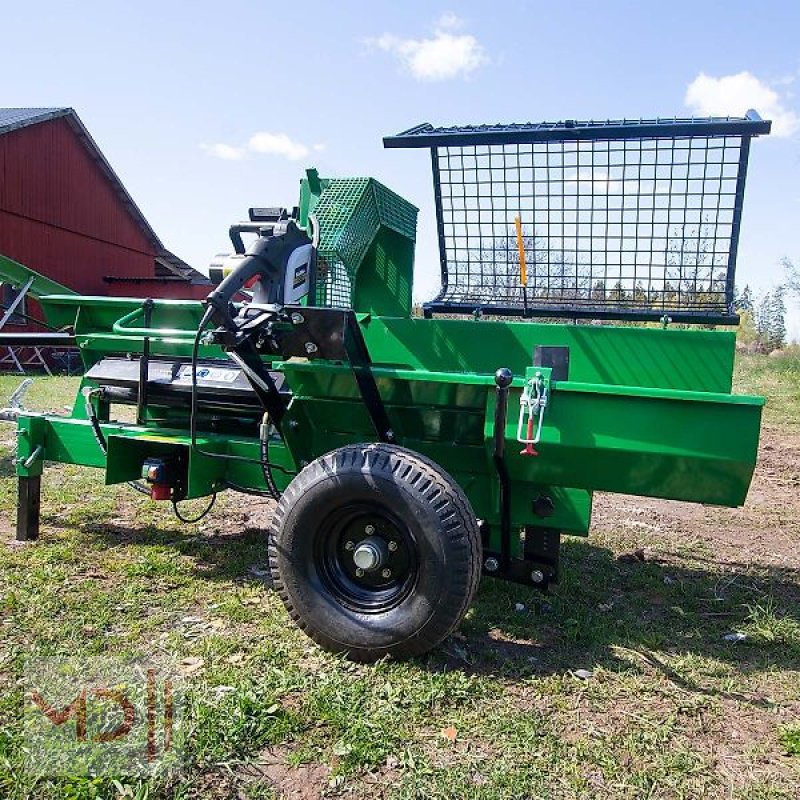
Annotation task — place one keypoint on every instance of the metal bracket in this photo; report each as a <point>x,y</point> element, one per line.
<point>332,334</point>
<point>532,406</point>
<point>14,408</point>
<point>37,359</point>
<point>31,459</point>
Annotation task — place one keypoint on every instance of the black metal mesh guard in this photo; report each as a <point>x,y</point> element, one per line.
<point>631,226</point>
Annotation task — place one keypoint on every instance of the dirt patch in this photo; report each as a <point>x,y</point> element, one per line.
<point>301,782</point>
<point>764,531</point>
<point>739,742</point>
<point>242,512</point>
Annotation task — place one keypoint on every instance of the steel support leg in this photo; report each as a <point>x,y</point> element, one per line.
<point>28,497</point>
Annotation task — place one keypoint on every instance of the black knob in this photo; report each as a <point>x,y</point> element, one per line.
<point>503,377</point>
<point>543,506</point>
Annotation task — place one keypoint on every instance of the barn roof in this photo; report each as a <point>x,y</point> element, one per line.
<point>167,264</point>
<point>12,119</point>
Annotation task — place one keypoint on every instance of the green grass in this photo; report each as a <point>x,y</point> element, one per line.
<point>778,378</point>
<point>673,710</point>
<point>790,739</point>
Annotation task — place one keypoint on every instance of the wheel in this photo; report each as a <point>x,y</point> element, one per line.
<point>375,551</point>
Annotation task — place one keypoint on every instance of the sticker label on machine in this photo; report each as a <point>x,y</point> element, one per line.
<point>207,375</point>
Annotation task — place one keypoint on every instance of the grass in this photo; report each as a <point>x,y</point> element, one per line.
<point>672,709</point>
<point>778,378</point>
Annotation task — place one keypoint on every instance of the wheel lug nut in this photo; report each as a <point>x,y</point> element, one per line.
<point>387,573</point>
<point>393,546</point>
<point>349,545</point>
<point>369,530</point>
<point>360,572</point>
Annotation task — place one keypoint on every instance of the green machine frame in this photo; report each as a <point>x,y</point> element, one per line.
<point>528,418</point>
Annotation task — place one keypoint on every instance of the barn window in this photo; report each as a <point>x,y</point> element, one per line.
<point>8,294</point>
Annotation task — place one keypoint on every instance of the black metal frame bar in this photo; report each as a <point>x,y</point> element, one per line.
<point>443,307</point>
<point>28,507</point>
<point>37,340</point>
<point>426,135</point>
<point>144,363</point>
<point>741,177</point>
<point>437,199</point>
<point>503,379</point>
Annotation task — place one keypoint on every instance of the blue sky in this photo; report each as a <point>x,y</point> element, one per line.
<point>205,108</point>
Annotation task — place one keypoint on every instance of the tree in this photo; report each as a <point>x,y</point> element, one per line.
<point>691,263</point>
<point>743,301</point>
<point>777,327</point>
<point>763,318</point>
<point>746,333</point>
<point>792,276</point>
<point>771,319</point>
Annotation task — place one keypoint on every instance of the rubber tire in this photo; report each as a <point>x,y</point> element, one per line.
<point>441,520</point>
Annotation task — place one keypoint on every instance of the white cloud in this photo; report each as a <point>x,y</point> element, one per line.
<point>449,20</point>
<point>225,151</point>
<point>441,57</point>
<point>598,182</point>
<point>735,95</point>
<point>277,144</point>
<point>263,142</point>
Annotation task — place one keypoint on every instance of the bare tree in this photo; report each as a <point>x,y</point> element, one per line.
<point>792,276</point>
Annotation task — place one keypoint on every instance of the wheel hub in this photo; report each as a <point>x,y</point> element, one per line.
<point>371,554</point>
<point>367,557</point>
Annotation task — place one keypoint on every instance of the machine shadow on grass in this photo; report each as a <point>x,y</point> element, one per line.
<point>8,469</point>
<point>618,615</point>
<point>602,609</point>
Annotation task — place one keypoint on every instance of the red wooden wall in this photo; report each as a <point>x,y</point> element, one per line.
<point>60,215</point>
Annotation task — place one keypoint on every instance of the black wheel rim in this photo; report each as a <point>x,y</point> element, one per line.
<point>366,525</point>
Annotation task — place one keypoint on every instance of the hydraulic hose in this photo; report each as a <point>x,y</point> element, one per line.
<point>88,393</point>
<point>263,460</point>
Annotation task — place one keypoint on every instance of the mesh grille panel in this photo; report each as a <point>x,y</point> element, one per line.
<point>350,213</point>
<point>637,224</point>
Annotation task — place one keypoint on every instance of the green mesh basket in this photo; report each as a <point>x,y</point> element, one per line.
<point>352,213</point>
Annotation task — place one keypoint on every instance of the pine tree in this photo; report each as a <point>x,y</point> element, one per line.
<point>743,301</point>
<point>763,317</point>
<point>777,320</point>
<point>792,277</point>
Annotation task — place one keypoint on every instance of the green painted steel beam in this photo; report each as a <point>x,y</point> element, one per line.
<point>18,275</point>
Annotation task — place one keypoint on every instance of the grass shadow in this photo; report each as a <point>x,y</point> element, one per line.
<point>8,469</point>
<point>220,557</point>
<point>611,614</point>
<point>605,613</point>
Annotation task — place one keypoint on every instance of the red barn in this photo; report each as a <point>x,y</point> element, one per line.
<point>65,213</point>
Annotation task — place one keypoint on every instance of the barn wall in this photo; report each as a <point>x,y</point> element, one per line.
<point>60,215</point>
<point>174,290</point>
<point>69,257</point>
<point>48,175</point>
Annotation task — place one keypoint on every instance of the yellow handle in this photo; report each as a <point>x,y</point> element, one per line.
<point>523,267</point>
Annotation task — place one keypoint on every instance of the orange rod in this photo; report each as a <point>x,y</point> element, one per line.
<point>523,267</point>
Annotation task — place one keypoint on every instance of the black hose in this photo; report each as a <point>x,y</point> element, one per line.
<point>191,521</point>
<point>266,467</point>
<point>243,490</point>
<point>101,440</point>
<point>263,461</point>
